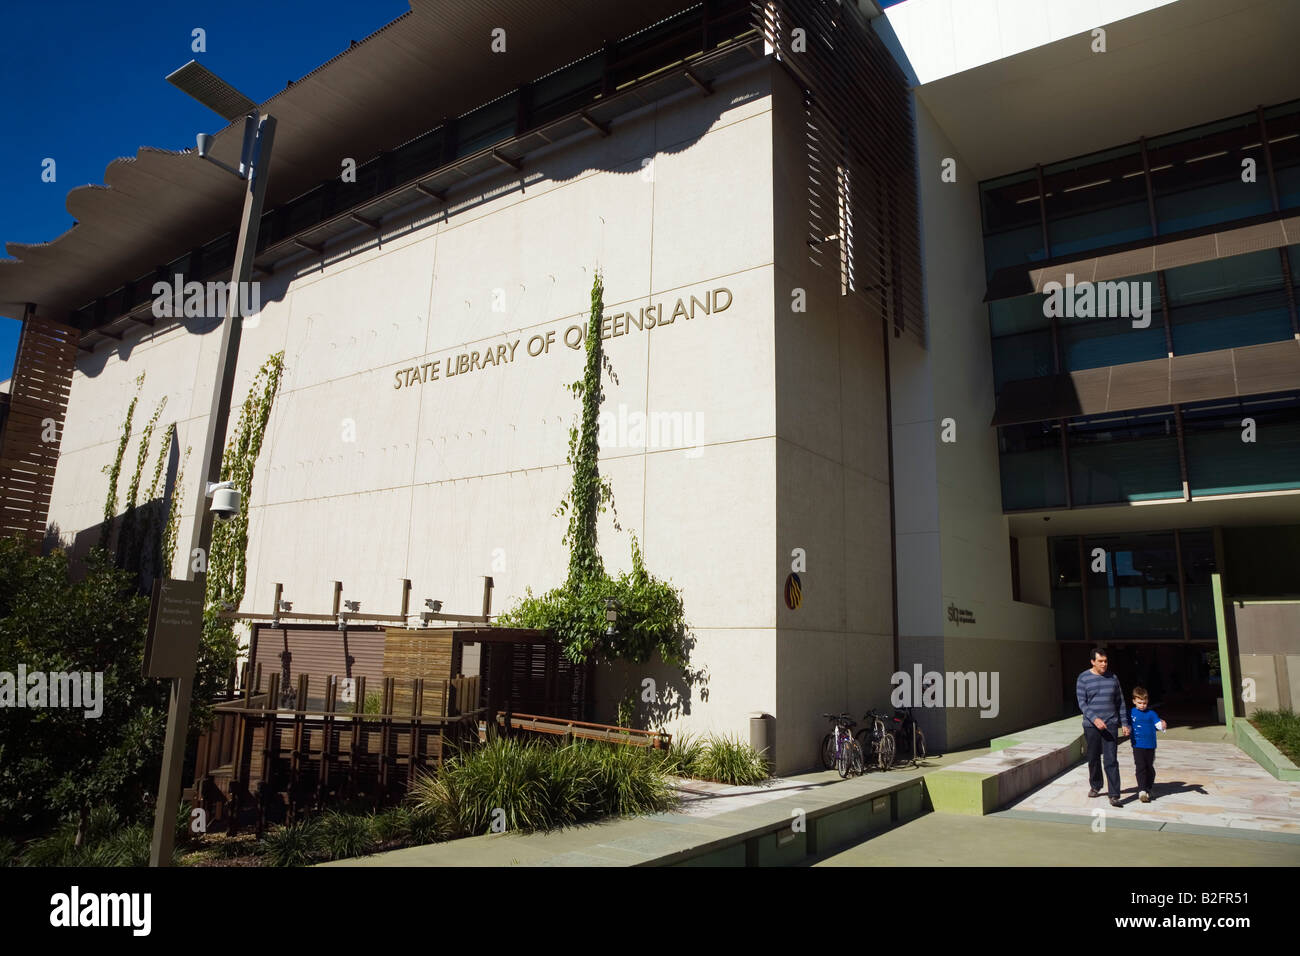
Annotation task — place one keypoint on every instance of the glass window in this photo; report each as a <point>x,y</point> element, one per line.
<point>1098,200</point>
<point>1128,456</point>
<point>1013,229</point>
<point>1067,598</point>
<point>1022,314</point>
<point>566,90</point>
<point>655,47</point>
<point>1283,123</point>
<point>218,257</point>
<point>1196,175</point>
<point>487,125</point>
<point>1031,466</point>
<point>1021,356</point>
<point>1228,455</point>
<point>1198,565</point>
<point>1228,302</point>
<point>1136,595</point>
<point>420,156</point>
<point>1088,342</point>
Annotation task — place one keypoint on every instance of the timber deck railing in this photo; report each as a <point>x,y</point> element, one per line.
<point>275,762</point>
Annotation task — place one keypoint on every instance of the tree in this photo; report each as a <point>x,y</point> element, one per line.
<point>58,760</point>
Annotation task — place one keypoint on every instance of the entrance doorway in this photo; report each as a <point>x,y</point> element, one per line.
<point>1175,673</point>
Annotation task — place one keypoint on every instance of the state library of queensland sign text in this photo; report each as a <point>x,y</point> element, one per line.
<point>652,316</point>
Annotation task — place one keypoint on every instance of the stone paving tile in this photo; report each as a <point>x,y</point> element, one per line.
<point>1201,784</point>
<point>703,798</point>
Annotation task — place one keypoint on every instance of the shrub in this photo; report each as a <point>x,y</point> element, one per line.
<point>626,780</point>
<point>107,842</point>
<point>345,835</point>
<point>298,844</point>
<point>539,786</point>
<point>56,849</point>
<point>1281,728</point>
<point>726,759</point>
<point>682,758</point>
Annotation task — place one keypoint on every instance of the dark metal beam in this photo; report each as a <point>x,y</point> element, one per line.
<point>602,128</point>
<point>705,87</point>
<point>514,164</point>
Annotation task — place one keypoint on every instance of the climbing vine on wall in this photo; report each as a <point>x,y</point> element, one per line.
<point>115,468</point>
<point>651,616</point>
<point>148,529</point>
<point>131,544</point>
<point>171,524</point>
<point>227,557</point>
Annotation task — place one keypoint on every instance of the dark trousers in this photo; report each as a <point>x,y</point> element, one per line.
<point>1101,746</point>
<point>1144,765</point>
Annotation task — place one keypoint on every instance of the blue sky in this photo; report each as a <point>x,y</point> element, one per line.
<point>84,85</point>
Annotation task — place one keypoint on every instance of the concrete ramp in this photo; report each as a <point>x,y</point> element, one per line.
<point>1018,764</point>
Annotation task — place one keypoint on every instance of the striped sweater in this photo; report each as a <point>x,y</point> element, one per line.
<point>1101,696</point>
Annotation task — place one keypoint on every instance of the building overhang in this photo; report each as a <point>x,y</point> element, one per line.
<point>1228,511</point>
<point>1198,377</point>
<point>1270,231</point>
<point>431,63</point>
<point>1164,69</point>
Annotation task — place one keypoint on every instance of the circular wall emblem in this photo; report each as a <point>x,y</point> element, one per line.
<point>793,592</point>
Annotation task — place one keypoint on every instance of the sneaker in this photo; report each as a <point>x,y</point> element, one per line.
<point>1144,797</point>
<point>1094,793</point>
<point>1114,802</point>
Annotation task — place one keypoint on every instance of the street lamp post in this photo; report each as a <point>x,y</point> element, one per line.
<point>255,160</point>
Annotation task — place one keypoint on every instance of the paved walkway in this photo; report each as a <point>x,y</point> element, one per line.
<point>1198,784</point>
<point>711,815</point>
<point>950,839</point>
<point>1214,806</point>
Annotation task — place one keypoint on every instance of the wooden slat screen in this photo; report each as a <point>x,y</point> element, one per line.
<point>38,395</point>
<point>863,211</point>
<point>318,652</point>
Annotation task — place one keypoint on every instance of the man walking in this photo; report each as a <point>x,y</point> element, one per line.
<point>1105,719</point>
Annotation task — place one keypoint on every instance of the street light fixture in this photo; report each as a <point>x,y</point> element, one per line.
<point>255,162</point>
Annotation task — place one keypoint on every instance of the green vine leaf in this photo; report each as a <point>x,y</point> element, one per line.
<point>651,615</point>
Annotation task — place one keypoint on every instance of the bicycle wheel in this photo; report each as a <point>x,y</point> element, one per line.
<point>856,762</point>
<point>842,757</point>
<point>863,739</point>
<point>886,751</point>
<point>828,751</point>
<point>903,746</point>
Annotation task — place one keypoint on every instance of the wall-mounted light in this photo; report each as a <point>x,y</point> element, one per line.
<point>611,616</point>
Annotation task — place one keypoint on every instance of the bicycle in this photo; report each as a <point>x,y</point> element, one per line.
<point>879,739</point>
<point>906,733</point>
<point>840,751</point>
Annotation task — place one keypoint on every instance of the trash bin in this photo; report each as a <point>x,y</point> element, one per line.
<point>762,735</point>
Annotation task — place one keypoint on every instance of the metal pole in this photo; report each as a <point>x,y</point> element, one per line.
<point>178,714</point>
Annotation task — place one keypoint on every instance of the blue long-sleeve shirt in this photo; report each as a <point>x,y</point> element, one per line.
<point>1101,696</point>
<point>1144,728</point>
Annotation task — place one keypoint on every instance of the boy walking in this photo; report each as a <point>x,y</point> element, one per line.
<point>1145,724</point>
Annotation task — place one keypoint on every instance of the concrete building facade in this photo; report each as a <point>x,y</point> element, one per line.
<point>774,412</point>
